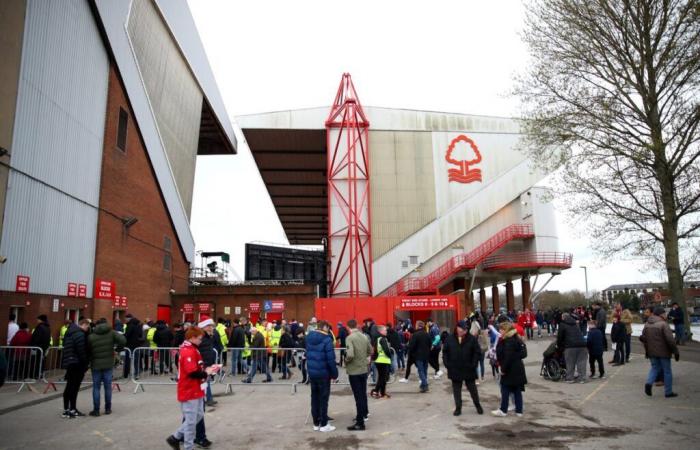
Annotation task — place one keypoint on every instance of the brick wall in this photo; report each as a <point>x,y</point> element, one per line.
<point>133,258</point>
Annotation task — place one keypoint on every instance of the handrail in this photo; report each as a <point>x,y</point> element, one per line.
<point>528,259</point>
<point>467,260</point>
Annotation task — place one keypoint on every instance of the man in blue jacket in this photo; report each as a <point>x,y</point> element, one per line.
<point>320,363</point>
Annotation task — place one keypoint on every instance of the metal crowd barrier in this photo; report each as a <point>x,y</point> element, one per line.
<point>24,366</point>
<point>54,372</point>
<point>157,366</point>
<point>273,361</point>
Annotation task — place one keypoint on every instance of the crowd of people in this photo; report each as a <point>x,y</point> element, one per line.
<point>191,354</point>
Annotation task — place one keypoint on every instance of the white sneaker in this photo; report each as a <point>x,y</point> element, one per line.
<point>519,414</point>
<point>436,377</point>
<point>511,408</point>
<point>403,380</point>
<point>327,428</point>
<point>439,373</point>
<point>498,413</point>
<point>316,428</point>
<point>477,383</point>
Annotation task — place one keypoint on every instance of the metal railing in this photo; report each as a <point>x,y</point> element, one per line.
<point>157,366</point>
<point>468,260</point>
<point>24,366</point>
<point>527,260</point>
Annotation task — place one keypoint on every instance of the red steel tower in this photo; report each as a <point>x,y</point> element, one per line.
<point>349,235</point>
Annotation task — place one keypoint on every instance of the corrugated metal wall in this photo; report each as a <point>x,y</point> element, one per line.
<point>173,93</point>
<point>58,138</point>
<point>403,188</point>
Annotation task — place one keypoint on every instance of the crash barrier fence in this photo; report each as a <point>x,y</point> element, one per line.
<point>25,366</point>
<point>55,374</point>
<point>157,366</point>
<point>285,366</point>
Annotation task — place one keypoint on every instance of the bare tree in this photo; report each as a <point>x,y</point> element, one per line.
<point>612,100</point>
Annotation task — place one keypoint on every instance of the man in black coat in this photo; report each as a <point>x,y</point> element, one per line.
<point>163,338</point>
<point>41,337</point>
<point>460,354</point>
<point>134,338</point>
<point>419,348</point>
<point>237,344</point>
<point>75,360</point>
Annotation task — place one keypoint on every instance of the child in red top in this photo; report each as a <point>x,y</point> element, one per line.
<point>191,384</point>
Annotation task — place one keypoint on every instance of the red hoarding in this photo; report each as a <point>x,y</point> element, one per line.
<point>72,290</point>
<point>82,290</point>
<point>22,284</point>
<point>105,289</point>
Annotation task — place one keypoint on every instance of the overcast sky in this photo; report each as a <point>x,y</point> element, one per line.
<point>451,56</point>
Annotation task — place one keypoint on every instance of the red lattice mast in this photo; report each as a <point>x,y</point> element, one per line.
<point>349,236</point>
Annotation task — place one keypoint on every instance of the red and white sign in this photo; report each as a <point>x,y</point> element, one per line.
<point>254,307</point>
<point>458,151</point>
<point>105,289</point>
<point>120,301</point>
<point>188,308</point>
<point>204,307</point>
<point>276,306</point>
<point>22,284</point>
<point>426,303</point>
<point>72,290</point>
<point>82,290</point>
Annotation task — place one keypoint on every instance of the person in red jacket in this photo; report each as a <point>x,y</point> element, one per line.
<point>526,321</point>
<point>191,384</point>
<point>19,359</point>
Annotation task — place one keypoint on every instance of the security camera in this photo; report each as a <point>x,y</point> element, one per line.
<point>3,259</point>
<point>172,291</point>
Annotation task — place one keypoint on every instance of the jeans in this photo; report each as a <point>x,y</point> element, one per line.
<point>394,363</point>
<point>262,361</point>
<point>74,376</point>
<point>358,384</point>
<point>482,356</point>
<point>528,332</point>
<point>320,393</point>
<point>235,361</point>
<point>210,397</point>
<point>576,361</point>
<point>283,364</point>
<point>409,362</point>
<point>619,352</point>
<point>101,377</point>
<point>400,360</point>
<point>507,391</point>
<point>628,346</point>
<point>661,364</point>
<point>422,367</point>
<point>680,333</point>
<point>193,413</point>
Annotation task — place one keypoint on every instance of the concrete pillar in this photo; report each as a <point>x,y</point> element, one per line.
<point>482,296</point>
<point>469,303</point>
<point>526,292</point>
<point>510,298</point>
<point>495,296</point>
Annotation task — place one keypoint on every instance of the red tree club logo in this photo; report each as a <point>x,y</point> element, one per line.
<point>464,174</point>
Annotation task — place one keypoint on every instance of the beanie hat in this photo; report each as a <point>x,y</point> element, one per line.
<point>462,324</point>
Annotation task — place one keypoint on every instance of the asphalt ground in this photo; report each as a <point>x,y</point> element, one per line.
<point>612,413</point>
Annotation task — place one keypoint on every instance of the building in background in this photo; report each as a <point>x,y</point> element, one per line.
<point>453,205</point>
<point>104,108</point>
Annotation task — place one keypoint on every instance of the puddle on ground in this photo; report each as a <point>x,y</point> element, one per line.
<point>530,434</point>
<point>351,442</point>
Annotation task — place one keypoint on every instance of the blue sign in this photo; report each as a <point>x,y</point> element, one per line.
<point>267,305</point>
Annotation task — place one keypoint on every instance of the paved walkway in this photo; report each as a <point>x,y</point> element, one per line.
<point>606,414</point>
